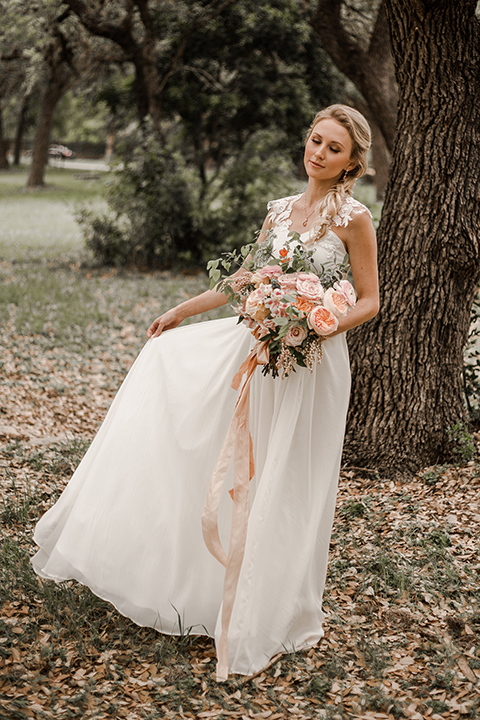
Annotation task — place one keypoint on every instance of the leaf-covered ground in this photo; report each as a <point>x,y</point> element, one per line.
<point>402,596</point>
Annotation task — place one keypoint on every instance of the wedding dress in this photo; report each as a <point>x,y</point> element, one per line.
<point>128,525</point>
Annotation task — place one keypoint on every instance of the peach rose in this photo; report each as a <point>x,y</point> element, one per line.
<point>322,321</point>
<point>309,286</point>
<point>336,302</point>
<point>295,336</point>
<point>305,306</point>
<point>346,289</point>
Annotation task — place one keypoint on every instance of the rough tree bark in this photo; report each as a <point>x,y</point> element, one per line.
<point>370,70</point>
<point>407,362</point>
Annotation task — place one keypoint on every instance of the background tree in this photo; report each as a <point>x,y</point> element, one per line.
<point>233,113</point>
<point>16,37</point>
<point>57,74</point>
<point>67,56</point>
<point>153,36</point>
<point>407,399</point>
<point>356,36</point>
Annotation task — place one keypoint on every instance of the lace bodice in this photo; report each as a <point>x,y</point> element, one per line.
<point>329,249</point>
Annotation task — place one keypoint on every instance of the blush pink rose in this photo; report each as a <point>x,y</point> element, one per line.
<point>346,289</point>
<point>295,336</point>
<point>322,321</point>
<point>270,271</point>
<point>336,302</point>
<point>306,276</point>
<point>309,286</point>
<point>287,281</point>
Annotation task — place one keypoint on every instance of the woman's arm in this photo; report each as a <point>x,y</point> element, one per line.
<point>359,237</point>
<point>208,300</point>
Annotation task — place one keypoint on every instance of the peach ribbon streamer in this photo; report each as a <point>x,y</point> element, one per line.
<point>238,443</point>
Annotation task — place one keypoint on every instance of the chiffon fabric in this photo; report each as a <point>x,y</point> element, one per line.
<point>128,525</point>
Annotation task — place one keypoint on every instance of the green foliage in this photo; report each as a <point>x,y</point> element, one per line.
<point>462,444</point>
<point>234,204</point>
<point>353,509</point>
<point>431,477</point>
<point>153,218</point>
<point>255,66</point>
<point>160,215</point>
<point>319,687</point>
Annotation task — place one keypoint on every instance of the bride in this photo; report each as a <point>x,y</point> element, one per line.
<point>128,525</point>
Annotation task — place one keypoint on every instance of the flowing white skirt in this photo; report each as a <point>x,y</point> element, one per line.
<point>128,525</point>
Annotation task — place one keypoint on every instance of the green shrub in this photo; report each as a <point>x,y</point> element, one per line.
<point>153,214</point>
<point>462,443</point>
<point>161,215</point>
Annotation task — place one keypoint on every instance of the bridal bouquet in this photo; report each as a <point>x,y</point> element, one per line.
<point>286,302</point>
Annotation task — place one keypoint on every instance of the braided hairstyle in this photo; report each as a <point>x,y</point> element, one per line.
<point>361,137</point>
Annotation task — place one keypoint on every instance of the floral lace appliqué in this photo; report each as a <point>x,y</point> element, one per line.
<point>279,211</point>
<point>348,209</point>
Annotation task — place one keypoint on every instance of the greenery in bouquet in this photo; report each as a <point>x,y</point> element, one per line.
<point>288,304</point>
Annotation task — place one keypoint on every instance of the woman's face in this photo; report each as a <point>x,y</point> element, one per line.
<point>328,151</point>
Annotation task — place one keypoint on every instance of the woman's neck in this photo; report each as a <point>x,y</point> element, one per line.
<point>315,192</point>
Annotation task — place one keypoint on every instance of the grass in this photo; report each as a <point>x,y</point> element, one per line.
<point>402,635</point>
<point>39,224</point>
<point>48,286</point>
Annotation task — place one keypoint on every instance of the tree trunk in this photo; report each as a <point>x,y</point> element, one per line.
<point>3,147</point>
<point>51,96</point>
<point>370,70</point>
<point>407,363</point>
<point>380,160</point>
<point>380,154</point>
<point>20,129</point>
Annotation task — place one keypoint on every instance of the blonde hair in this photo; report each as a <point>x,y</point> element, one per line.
<point>361,137</point>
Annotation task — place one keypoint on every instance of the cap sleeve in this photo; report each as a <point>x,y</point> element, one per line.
<point>349,208</point>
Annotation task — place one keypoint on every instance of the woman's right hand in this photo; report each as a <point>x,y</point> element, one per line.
<point>167,321</point>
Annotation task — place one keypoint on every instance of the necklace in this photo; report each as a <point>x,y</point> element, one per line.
<point>307,217</point>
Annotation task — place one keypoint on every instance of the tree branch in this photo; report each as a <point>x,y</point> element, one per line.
<point>201,20</point>
<point>120,33</point>
<point>370,71</point>
<point>344,51</point>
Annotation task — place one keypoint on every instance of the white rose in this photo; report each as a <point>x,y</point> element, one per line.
<point>296,335</point>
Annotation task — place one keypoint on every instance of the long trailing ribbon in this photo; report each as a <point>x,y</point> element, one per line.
<point>238,443</point>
